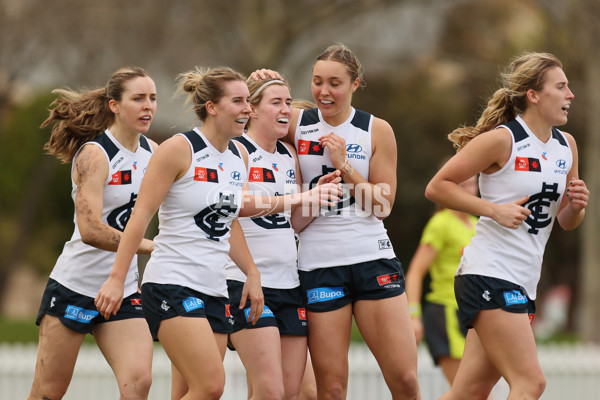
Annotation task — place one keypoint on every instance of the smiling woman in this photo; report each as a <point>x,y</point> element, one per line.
<point>197,178</point>
<point>347,265</point>
<point>528,179</point>
<point>101,132</point>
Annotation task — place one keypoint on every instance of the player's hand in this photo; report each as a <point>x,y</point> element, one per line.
<point>337,148</point>
<point>332,177</point>
<point>511,215</point>
<point>578,194</point>
<point>265,73</point>
<point>253,291</point>
<point>109,298</point>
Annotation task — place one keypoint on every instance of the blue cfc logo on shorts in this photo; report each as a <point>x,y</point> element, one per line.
<point>267,312</point>
<point>192,303</point>
<point>80,314</point>
<point>513,297</point>
<point>319,295</point>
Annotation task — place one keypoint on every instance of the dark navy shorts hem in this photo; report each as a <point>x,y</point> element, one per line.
<point>78,312</point>
<point>164,301</point>
<point>477,292</point>
<point>284,309</point>
<point>329,289</point>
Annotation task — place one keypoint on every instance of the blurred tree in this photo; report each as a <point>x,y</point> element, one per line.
<point>35,206</point>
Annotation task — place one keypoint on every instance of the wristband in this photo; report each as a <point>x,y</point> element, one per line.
<point>415,310</point>
<point>347,168</point>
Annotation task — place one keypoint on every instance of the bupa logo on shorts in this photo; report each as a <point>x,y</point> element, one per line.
<point>513,297</point>
<point>319,295</point>
<point>227,310</point>
<point>267,313</point>
<point>192,303</point>
<point>80,314</point>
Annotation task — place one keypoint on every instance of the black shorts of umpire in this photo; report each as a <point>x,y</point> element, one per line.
<point>78,312</point>
<point>167,301</point>
<point>444,335</point>
<point>477,292</point>
<point>283,308</point>
<point>328,289</point>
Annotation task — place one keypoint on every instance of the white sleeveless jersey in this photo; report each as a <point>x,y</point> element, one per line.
<point>270,238</point>
<point>534,169</point>
<point>195,217</point>
<point>84,268</point>
<point>347,234</point>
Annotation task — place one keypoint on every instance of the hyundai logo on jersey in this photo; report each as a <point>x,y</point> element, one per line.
<point>80,314</point>
<point>513,297</point>
<point>319,295</point>
<point>235,175</point>
<point>267,313</point>
<point>562,164</point>
<point>353,148</point>
<point>291,173</point>
<point>192,303</point>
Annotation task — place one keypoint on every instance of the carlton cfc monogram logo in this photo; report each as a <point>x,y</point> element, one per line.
<point>119,216</point>
<point>538,204</point>
<point>209,219</point>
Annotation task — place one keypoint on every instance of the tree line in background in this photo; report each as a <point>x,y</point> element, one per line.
<point>425,86</point>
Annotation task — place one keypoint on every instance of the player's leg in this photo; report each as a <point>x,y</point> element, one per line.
<point>293,352</point>
<point>329,342</point>
<point>127,346</point>
<point>391,341</point>
<point>58,348</point>
<point>193,350</point>
<point>308,388</point>
<point>260,352</point>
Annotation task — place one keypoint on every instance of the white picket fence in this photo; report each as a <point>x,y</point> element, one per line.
<point>572,372</point>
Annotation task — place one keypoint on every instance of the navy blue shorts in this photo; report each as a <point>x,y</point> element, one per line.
<point>78,312</point>
<point>444,335</point>
<point>168,301</point>
<point>476,292</point>
<point>328,289</point>
<point>283,308</point>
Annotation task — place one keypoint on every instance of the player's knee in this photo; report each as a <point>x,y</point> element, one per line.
<point>137,384</point>
<point>531,387</point>
<point>54,391</point>
<point>537,387</point>
<point>272,392</point>
<point>215,391</point>
<point>334,391</point>
<point>408,383</point>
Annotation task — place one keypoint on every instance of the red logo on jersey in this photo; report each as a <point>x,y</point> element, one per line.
<point>206,175</point>
<point>136,302</point>
<point>302,314</point>
<point>387,279</point>
<point>310,147</point>
<point>261,175</point>
<point>227,311</point>
<point>527,164</point>
<point>121,178</point>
